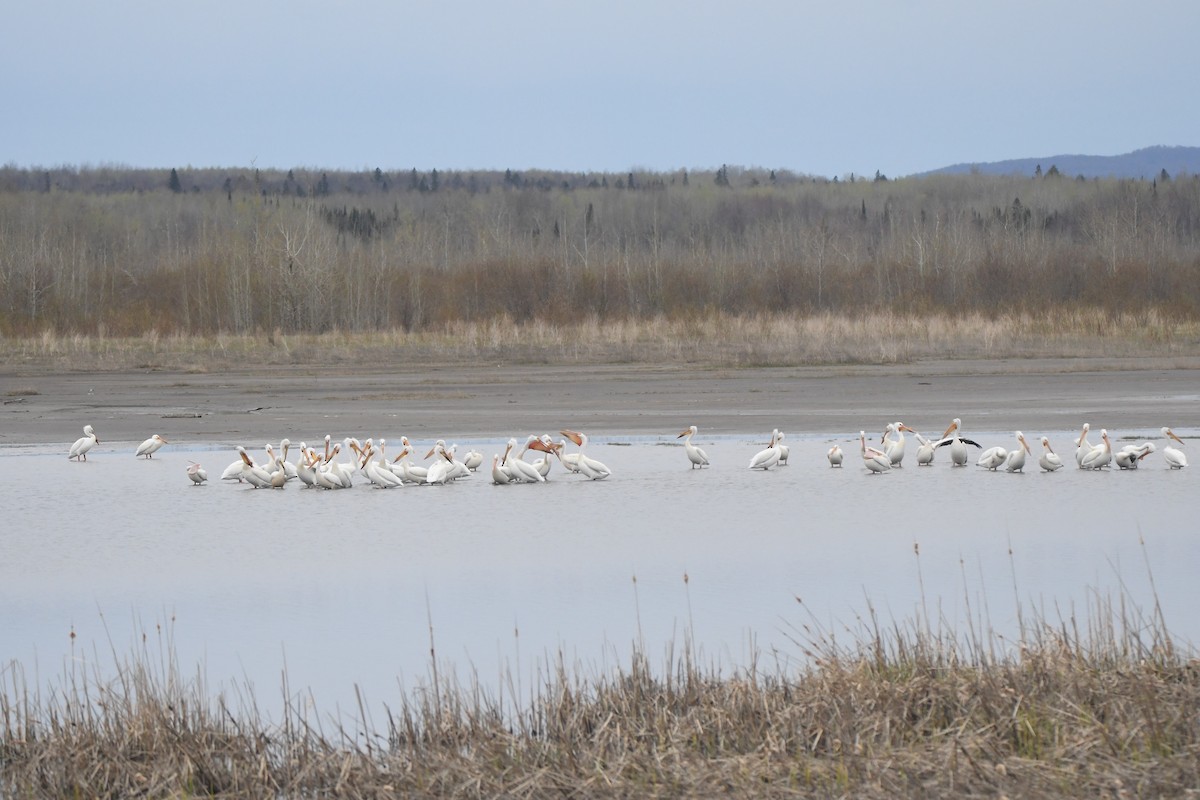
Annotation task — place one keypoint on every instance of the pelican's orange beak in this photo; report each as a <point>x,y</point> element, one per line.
<point>953,427</point>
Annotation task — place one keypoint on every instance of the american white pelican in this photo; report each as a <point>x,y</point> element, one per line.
<point>1016,458</point>
<point>875,460</point>
<point>472,459</point>
<point>253,474</point>
<point>991,458</point>
<point>542,465</point>
<point>278,477</point>
<point>1099,456</point>
<point>306,467</point>
<point>343,473</point>
<point>834,455</point>
<point>765,459</point>
<point>457,468</point>
<point>588,466</point>
<point>1174,456</point>
<point>197,473</point>
<point>289,469</point>
<point>958,445</point>
<point>1130,456</point>
<point>407,471</point>
<point>1082,445</point>
<point>378,472</point>
<point>442,468</point>
<point>519,470</point>
<point>569,460</point>
<point>500,475</point>
<point>1049,460</point>
<point>894,447</point>
<point>696,455</point>
<point>925,451</point>
<point>149,447</point>
<point>79,450</point>
<point>784,450</point>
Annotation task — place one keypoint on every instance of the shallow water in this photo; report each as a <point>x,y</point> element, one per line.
<point>339,588</point>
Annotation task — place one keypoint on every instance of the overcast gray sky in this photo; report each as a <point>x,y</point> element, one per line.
<point>825,87</point>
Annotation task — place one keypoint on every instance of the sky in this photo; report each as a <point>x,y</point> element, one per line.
<point>821,88</point>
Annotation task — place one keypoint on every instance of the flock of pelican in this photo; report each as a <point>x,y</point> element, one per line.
<point>370,461</point>
<point>1088,456</point>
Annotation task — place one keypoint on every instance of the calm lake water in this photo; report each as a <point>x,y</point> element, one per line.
<point>339,588</point>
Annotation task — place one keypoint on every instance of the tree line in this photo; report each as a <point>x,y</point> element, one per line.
<point>125,251</point>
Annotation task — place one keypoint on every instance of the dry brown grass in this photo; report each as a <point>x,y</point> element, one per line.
<point>716,339</point>
<point>1108,709</point>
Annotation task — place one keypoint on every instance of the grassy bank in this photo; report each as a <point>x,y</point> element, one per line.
<point>1103,706</point>
<point>716,339</point>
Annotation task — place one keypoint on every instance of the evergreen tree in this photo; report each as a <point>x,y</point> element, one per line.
<point>173,184</point>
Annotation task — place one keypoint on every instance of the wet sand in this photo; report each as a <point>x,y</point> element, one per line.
<point>41,406</point>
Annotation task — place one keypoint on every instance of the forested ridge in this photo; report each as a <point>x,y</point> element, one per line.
<point>124,251</point>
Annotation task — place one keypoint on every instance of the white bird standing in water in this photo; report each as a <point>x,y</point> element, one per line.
<point>1130,456</point>
<point>1016,458</point>
<point>588,466</point>
<point>765,459</point>
<point>784,450</point>
<point>1049,460</point>
<point>958,445</point>
<point>992,458</point>
<point>835,456</point>
<point>151,446</point>
<point>1082,445</point>
<point>197,473</point>
<point>894,447</point>
<point>925,451</point>
<point>875,460</point>
<point>695,454</point>
<point>83,444</point>
<point>1099,456</point>
<point>1174,456</point>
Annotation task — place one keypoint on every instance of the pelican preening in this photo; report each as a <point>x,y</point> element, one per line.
<point>196,473</point>
<point>874,459</point>
<point>151,446</point>
<point>83,444</point>
<point>587,466</point>
<point>765,459</point>
<point>695,454</point>
<point>1130,456</point>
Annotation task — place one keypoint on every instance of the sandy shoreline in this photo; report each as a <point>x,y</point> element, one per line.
<point>486,401</point>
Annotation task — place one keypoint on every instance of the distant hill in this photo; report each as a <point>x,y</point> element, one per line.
<point>1147,163</point>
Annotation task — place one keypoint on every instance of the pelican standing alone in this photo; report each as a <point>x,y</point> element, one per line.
<point>79,450</point>
<point>197,473</point>
<point>1174,456</point>
<point>695,454</point>
<point>835,455</point>
<point>149,447</point>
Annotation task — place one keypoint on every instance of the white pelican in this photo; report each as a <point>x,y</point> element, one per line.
<point>588,466</point>
<point>518,468</point>
<point>925,451</point>
<point>958,445</point>
<point>569,460</point>
<point>500,476</point>
<point>343,473</point>
<point>79,450</point>
<point>378,472</point>
<point>835,456</point>
<point>1099,456</point>
<point>1016,458</point>
<point>1082,445</point>
<point>542,465</point>
<point>1174,456</point>
<point>765,459</point>
<point>784,450</point>
<point>992,458</point>
<point>197,473</point>
<point>895,447</point>
<point>149,447</point>
<point>1049,459</point>
<point>1129,455</point>
<point>289,469</point>
<point>441,469</point>
<point>875,460</point>
<point>472,459</point>
<point>696,455</point>
<point>306,467</point>
<point>252,474</point>
<point>278,477</point>
<point>457,468</point>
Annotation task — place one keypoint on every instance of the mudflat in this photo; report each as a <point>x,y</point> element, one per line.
<point>42,405</point>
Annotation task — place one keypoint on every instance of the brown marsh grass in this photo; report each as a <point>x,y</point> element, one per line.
<point>712,339</point>
<point>1099,706</point>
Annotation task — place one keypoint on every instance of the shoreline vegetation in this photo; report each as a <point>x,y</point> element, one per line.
<point>713,339</point>
<point>1102,704</point>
